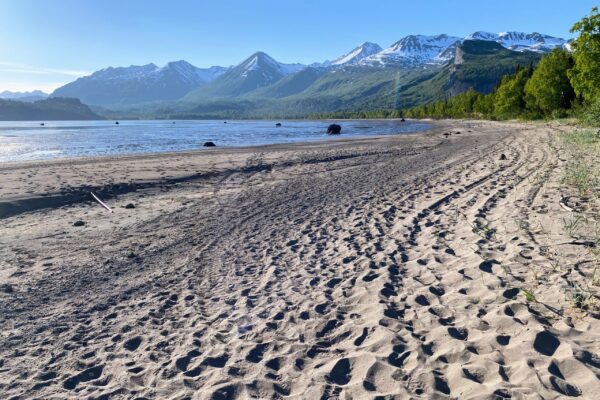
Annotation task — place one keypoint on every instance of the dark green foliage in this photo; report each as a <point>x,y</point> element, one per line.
<point>591,115</point>
<point>56,108</point>
<point>549,88</point>
<point>585,75</point>
<point>509,98</point>
<point>480,65</point>
<point>528,93</point>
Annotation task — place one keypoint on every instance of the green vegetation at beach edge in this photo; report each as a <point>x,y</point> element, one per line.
<point>563,84</point>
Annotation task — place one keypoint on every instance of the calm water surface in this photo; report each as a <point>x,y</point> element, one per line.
<point>21,141</point>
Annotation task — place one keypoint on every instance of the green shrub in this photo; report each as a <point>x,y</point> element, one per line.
<point>591,115</point>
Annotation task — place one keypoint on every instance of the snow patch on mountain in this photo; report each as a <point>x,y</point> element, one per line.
<point>519,41</point>
<point>262,61</point>
<point>419,50</point>
<point>181,70</point>
<point>358,54</point>
<point>35,94</point>
<point>413,50</point>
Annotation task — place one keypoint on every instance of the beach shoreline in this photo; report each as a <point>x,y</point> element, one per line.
<point>104,171</point>
<point>140,138</point>
<point>384,266</point>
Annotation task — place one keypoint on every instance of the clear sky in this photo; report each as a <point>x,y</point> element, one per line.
<point>46,43</point>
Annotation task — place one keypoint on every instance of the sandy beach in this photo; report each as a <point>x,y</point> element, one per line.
<point>432,266</point>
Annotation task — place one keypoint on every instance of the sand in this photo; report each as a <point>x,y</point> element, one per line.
<point>386,268</point>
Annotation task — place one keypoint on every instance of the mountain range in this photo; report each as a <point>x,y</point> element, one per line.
<point>23,96</point>
<point>139,84</point>
<point>368,76</point>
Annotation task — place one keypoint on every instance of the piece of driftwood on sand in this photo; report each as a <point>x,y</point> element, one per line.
<point>101,202</point>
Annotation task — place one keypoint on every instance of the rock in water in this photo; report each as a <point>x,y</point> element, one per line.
<point>116,122</point>
<point>402,120</point>
<point>334,129</point>
<point>209,144</point>
<point>278,124</point>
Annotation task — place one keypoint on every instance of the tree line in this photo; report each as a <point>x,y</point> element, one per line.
<point>564,83</point>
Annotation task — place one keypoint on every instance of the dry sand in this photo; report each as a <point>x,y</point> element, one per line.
<point>383,268</point>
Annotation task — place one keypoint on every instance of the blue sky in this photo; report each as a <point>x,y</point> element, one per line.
<point>46,43</point>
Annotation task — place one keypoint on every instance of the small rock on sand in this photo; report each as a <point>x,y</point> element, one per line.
<point>130,206</point>
<point>79,223</point>
<point>502,157</point>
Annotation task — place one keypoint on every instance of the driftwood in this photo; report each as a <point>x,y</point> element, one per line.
<point>101,202</point>
<point>563,205</point>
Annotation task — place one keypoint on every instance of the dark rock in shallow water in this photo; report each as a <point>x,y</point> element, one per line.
<point>209,144</point>
<point>334,129</point>
<point>402,120</point>
<point>278,124</point>
<point>79,223</point>
<point>116,122</point>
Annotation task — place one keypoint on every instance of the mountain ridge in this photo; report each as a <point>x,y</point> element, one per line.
<point>138,83</point>
<point>31,96</point>
<point>260,75</point>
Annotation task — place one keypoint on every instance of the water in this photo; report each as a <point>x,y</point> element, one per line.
<point>20,141</point>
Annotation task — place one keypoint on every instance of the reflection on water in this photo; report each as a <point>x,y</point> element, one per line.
<point>31,141</point>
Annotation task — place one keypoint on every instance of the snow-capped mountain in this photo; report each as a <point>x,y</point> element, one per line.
<point>419,50</point>
<point>264,64</point>
<point>179,80</point>
<point>181,69</point>
<point>187,72</point>
<point>358,54</point>
<point>414,50</point>
<point>139,83</point>
<point>519,41</point>
<point>257,71</point>
<point>32,96</point>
